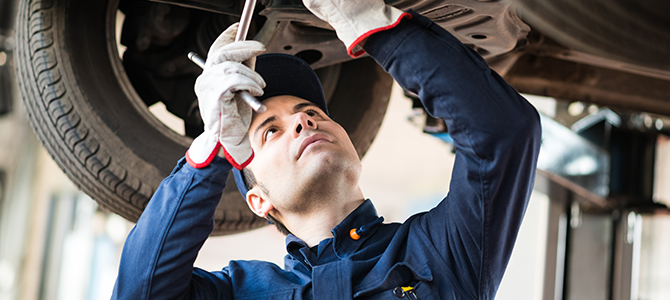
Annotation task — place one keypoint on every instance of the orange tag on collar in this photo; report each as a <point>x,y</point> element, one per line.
<point>354,235</point>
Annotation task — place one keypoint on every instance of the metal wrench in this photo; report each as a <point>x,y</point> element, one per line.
<point>242,30</point>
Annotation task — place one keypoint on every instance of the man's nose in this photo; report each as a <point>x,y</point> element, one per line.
<point>302,121</point>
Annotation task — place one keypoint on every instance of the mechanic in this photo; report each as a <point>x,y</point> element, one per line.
<point>303,174</point>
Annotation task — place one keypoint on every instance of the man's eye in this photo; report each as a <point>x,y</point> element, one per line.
<point>311,112</point>
<point>269,132</point>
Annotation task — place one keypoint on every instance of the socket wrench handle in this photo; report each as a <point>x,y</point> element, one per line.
<point>248,98</point>
<point>245,20</point>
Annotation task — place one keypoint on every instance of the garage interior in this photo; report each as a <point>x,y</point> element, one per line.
<point>596,227</point>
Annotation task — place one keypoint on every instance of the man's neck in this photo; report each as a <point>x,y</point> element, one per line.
<point>316,225</point>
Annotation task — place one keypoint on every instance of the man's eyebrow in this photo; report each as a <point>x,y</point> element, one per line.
<point>265,123</point>
<point>298,107</point>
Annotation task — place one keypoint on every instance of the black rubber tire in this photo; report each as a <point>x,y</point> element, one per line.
<point>88,116</point>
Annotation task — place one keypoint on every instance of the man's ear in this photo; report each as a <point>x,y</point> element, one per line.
<point>258,203</point>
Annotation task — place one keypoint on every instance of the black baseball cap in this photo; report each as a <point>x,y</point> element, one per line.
<point>285,75</point>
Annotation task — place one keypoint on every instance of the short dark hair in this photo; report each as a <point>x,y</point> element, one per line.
<point>250,182</point>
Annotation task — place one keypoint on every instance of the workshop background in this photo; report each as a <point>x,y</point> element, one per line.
<point>55,243</point>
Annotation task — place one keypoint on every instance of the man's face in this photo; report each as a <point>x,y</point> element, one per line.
<point>300,153</point>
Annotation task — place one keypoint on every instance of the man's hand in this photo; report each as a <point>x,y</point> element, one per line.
<point>355,20</point>
<point>228,69</point>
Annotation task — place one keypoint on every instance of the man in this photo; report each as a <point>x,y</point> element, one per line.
<point>303,173</point>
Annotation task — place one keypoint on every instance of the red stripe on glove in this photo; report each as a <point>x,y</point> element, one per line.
<point>234,163</point>
<point>206,162</point>
<point>360,52</point>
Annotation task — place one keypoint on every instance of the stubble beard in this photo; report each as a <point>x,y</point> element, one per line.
<point>329,180</point>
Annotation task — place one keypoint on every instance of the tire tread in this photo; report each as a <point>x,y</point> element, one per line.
<point>79,153</point>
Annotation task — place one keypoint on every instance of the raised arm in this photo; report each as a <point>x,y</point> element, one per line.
<point>158,256</point>
<point>496,135</point>
<point>157,259</point>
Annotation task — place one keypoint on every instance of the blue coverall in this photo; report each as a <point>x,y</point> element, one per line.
<point>457,250</point>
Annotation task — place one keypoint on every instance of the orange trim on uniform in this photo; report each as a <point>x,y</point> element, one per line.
<point>358,53</point>
<point>354,235</point>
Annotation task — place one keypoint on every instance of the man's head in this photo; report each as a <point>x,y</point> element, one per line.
<point>301,155</point>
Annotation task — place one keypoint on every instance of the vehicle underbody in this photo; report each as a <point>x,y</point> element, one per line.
<point>92,73</point>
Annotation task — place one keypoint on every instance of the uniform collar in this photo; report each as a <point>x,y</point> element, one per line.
<point>355,229</point>
<point>363,222</point>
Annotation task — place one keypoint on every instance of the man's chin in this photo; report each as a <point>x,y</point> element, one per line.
<point>325,165</point>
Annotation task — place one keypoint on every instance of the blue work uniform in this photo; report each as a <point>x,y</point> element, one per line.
<point>457,250</point>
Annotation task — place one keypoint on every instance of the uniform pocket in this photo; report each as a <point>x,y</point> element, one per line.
<point>402,281</point>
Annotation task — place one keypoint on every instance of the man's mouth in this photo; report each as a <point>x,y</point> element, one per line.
<point>312,140</point>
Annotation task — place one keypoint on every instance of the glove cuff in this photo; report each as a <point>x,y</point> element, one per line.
<point>201,159</point>
<point>353,48</point>
<point>234,163</point>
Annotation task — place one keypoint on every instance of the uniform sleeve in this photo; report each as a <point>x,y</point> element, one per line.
<point>496,135</point>
<point>158,256</point>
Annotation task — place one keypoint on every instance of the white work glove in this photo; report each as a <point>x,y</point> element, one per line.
<point>226,116</point>
<point>355,20</point>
